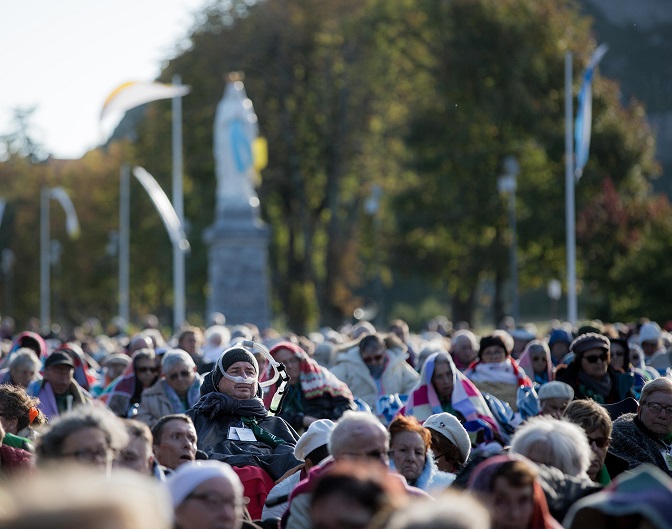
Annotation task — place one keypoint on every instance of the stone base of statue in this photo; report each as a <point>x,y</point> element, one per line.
<point>238,267</point>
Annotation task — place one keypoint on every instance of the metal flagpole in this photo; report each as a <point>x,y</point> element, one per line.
<point>178,255</point>
<point>45,287</point>
<point>569,194</point>
<point>124,241</point>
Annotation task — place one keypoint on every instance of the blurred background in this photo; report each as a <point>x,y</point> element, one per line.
<point>388,123</point>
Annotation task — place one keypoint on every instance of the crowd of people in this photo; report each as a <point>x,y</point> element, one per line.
<point>356,427</point>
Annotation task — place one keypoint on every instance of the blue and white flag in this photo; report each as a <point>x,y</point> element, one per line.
<point>585,113</point>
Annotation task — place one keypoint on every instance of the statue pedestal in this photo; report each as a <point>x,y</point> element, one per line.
<point>237,268</point>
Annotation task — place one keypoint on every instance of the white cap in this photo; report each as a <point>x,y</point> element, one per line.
<point>188,476</point>
<point>649,332</point>
<point>315,436</point>
<point>556,390</point>
<point>450,427</point>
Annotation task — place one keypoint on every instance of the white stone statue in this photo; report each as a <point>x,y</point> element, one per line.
<point>235,130</point>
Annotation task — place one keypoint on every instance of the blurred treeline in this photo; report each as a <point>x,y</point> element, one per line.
<point>414,103</point>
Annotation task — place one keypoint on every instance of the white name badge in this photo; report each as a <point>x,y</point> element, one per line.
<point>241,434</point>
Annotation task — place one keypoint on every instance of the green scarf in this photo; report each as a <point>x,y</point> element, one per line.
<point>262,435</point>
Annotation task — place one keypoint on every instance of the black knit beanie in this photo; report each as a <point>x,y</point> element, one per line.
<point>490,340</point>
<point>230,357</point>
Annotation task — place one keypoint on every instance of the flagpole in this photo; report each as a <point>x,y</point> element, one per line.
<point>569,194</point>
<point>178,254</point>
<point>45,287</point>
<point>124,241</point>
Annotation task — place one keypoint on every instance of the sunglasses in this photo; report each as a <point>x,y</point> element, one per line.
<point>600,442</point>
<point>178,374</point>
<point>146,370</point>
<point>594,359</point>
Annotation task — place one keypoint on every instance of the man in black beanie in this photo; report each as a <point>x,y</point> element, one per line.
<point>232,423</point>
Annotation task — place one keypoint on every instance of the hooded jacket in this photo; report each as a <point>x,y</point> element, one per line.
<point>398,376</point>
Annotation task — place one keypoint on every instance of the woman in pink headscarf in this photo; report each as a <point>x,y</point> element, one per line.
<point>313,392</point>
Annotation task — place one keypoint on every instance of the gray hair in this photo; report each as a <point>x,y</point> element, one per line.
<point>566,442</point>
<point>25,357</point>
<point>464,335</point>
<point>50,443</point>
<point>663,384</point>
<point>455,510</point>
<point>175,357</point>
<point>352,423</point>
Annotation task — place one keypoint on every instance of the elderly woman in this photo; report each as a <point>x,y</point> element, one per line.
<point>443,388</point>
<point>206,495</point>
<point>24,368</point>
<point>27,340</point>
<point>19,414</point>
<point>508,486</point>
<point>463,348</point>
<point>232,423</point>
<point>355,494</point>
<point>590,374</point>
<point>89,435</point>
<point>313,392</point>
<point>410,455</point>
<point>451,444</point>
<point>176,392</point>
<point>597,424</point>
<point>554,397</point>
<point>124,394</point>
<point>554,443</point>
<point>495,371</point>
<point>536,362</point>
<point>642,437</point>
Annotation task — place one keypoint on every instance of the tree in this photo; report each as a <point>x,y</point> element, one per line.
<point>498,72</point>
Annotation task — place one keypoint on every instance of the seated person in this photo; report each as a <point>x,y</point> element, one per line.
<point>176,391</point>
<point>590,374</point>
<point>410,455</point>
<point>554,398</point>
<point>597,424</point>
<point>509,487</point>
<point>451,444</point>
<point>174,441</point>
<point>442,388</point>
<point>554,443</point>
<point>313,392</point>
<point>125,392</point>
<point>373,370</point>
<point>642,437</point>
<point>495,371</point>
<point>536,362</point>
<point>232,423</point>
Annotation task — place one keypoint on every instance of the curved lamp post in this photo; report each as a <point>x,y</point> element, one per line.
<point>72,227</point>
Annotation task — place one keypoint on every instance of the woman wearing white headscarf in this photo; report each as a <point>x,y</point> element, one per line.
<point>207,495</point>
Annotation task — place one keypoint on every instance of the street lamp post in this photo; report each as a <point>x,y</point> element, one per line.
<point>507,185</point>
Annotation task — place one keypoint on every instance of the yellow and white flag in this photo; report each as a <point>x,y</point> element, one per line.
<point>135,93</point>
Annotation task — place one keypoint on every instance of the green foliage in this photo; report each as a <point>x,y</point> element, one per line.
<point>420,98</point>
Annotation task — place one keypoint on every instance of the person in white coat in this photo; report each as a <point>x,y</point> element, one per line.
<point>374,369</point>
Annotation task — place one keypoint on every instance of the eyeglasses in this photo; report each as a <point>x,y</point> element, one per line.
<point>214,501</point>
<point>494,352</point>
<point>89,456</point>
<point>600,442</point>
<point>657,408</point>
<point>146,370</point>
<point>178,374</point>
<point>594,359</point>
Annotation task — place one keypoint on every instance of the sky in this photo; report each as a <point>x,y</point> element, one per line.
<point>65,57</point>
